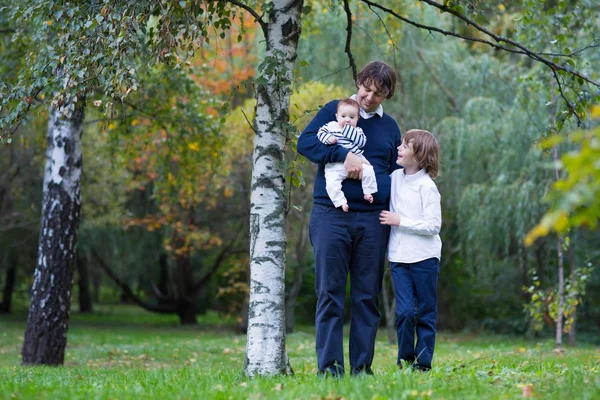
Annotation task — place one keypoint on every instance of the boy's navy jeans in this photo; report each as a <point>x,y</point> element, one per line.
<point>355,243</point>
<point>415,286</point>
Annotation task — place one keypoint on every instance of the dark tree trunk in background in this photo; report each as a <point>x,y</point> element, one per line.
<point>47,323</point>
<point>389,307</point>
<point>85,296</point>
<point>163,282</point>
<point>186,296</point>
<point>186,311</point>
<point>96,280</point>
<point>242,326</point>
<point>9,286</point>
<point>299,252</point>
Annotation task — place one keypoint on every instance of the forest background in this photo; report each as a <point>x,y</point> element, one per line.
<point>166,179</point>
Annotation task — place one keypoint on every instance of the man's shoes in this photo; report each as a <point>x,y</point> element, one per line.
<point>334,371</point>
<point>362,371</point>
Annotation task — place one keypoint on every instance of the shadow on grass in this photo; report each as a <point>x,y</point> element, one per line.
<point>118,317</point>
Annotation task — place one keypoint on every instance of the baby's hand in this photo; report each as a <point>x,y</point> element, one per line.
<point>332,140</point>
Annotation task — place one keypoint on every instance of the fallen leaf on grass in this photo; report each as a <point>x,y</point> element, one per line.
<point>526,389</point>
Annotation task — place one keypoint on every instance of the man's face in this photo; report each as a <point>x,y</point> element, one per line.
<point>369,97</point>
<point>347,115</point>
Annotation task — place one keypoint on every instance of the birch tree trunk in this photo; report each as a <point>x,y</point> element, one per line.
<point>47,324</point>
<point>265,350</point>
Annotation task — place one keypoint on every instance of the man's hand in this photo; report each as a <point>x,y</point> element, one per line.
<point>353,166</point>
<point>389,218</point>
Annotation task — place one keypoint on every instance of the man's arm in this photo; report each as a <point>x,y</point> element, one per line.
<point>312,148</point>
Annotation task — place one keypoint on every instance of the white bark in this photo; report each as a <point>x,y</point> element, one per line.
<point>47,324</point>
<point>265,352</point>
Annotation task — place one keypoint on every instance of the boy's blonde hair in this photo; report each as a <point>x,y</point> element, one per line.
<point>426,148</point>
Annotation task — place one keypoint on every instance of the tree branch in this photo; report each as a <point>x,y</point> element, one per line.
<point>499,39</point>
<point>125,287</point>
<point>257,17</point>
<point>220,258</point>
<point>530,53</point>
<point>349,38</point>
<point>564,97</point>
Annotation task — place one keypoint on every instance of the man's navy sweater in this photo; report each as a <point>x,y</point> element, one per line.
<point>381,150</point>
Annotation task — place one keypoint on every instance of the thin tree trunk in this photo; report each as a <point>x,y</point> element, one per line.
<point>265,349</point>
<point>561,294</point>
<point>47,323</point>
<point>561,279</point>
<point>572,329</point>
<point>85,296</point>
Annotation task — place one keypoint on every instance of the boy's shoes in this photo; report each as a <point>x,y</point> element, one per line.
<point>363,371</point>
<point>415,367</point>
<point>420,368</point>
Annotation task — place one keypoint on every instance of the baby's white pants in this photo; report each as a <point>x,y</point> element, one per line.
<point>335,173</point>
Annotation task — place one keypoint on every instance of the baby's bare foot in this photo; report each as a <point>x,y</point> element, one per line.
<point>345,207</point>
<point>369,198</point>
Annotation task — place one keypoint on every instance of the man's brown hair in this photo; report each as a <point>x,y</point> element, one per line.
<point>426,148</point>
<point>379,73</point>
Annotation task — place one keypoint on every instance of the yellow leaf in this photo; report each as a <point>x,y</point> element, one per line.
<point>595,111</point>
<point>49,22</point>
<point>501,7</point>
<point>522,350</point>
<point>194,146</point>
<point>562,222</point>
<point>537,232</point>
<point>135,122</point>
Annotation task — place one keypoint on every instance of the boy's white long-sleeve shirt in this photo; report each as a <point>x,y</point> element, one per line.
<point>418,202</point>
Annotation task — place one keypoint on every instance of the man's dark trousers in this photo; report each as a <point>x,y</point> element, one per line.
<point>415,287</point>
<point>355,243</point>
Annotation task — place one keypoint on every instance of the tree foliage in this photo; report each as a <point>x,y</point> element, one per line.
<point>575,198</point>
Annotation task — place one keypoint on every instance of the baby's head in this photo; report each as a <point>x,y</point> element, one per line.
<point>347,113</point>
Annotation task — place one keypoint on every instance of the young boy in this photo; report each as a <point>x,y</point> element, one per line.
<point>415,247</point>
<point>335,132</point>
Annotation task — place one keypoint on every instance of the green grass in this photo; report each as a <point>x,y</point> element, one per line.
<point>126,353</point>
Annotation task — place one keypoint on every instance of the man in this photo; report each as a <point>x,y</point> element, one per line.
<point>352,242</point>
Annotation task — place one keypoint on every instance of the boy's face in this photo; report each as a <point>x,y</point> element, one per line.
<point>406,156</point>
<point>347,115</point>
<point>369,97</point>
